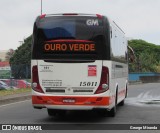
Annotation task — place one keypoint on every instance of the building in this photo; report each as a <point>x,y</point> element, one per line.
<point>5,70</point>
<point>3,55</point>
<point>5,65</point>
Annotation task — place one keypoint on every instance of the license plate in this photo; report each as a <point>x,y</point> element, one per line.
<point>68,100</point>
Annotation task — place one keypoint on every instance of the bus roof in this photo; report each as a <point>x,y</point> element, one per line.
<point>71,14</point>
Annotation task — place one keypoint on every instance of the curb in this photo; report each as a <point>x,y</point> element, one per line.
<point>15,98</point>
<point>135,82</point>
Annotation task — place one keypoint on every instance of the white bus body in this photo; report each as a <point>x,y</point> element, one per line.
<point>80,64</point>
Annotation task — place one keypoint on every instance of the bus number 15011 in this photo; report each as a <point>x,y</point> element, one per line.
<point>88,83</point>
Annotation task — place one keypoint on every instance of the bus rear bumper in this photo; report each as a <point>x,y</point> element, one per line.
<point>70,107</point>
<point>71,102</point>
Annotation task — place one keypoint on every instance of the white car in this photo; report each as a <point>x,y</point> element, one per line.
<point>3,86</point>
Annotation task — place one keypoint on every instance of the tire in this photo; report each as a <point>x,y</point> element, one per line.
<point>126,92</point>
<point>56,112</point>
<point>121,103</point>
<point>112,112</point>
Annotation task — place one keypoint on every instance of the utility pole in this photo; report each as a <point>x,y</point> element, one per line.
<point>41,7</point>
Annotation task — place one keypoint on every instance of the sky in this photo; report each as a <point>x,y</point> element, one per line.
<point>139,19</point>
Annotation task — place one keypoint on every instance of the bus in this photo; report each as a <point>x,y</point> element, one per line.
<point>79,62</point>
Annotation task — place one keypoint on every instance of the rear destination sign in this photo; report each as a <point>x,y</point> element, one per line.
<point>69,46</point>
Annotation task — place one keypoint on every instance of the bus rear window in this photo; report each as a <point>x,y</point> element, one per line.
<point>69,37</point>
<point>59,29</point>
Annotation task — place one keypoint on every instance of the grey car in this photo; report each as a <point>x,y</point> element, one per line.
<point>3,86</point>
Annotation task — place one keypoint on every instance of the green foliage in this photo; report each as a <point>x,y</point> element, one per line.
<point>12,91</point>
<point>147,56</point>
<point>4,74</point>
<point>9,54</point>
<point>158,68</point>
<point>21,60</point>
<point>148,62</point>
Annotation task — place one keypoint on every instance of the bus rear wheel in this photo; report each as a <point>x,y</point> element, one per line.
<point>112,112</point>
<point>122,102</point>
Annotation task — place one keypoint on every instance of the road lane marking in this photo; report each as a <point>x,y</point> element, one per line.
<point>13,103</point>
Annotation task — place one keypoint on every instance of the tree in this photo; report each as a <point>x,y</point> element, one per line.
<point>158,68</point>
<point>147,56</point>
<point>21,60</point>
<point>148,62</point>
<point>9,54</point>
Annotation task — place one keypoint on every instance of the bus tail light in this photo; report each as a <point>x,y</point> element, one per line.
<point>99,16</point>
<point>42,16</point>
<point>104,83</point>
<point>35,80</point>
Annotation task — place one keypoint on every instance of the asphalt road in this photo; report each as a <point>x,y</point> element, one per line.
<point>141,107</point>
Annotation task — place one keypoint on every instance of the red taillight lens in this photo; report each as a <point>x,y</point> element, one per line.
<point>35,80</point>
<point>42,16</point>
<point>99,16</point>
<point>104,83</point>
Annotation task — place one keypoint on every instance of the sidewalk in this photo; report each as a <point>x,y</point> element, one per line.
<point>15,98</point>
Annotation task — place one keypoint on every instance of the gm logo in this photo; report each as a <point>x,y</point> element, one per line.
<point>92,22</point>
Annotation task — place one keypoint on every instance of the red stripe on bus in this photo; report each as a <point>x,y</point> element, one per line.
<point>59,100</point>
<point>122,93</point>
